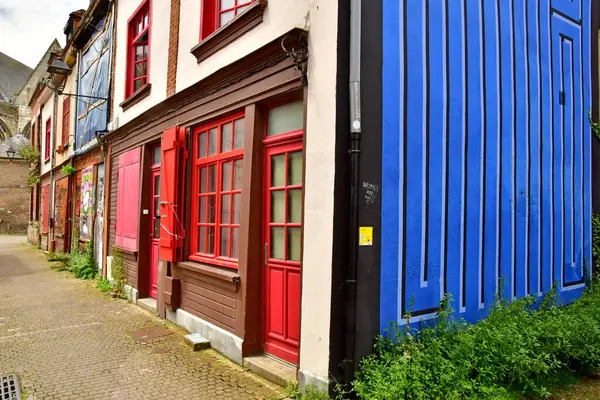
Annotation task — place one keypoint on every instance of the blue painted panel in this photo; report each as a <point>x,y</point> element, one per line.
<point>486,153</point>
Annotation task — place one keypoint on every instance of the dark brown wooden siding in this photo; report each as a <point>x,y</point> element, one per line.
<point>209,298</point>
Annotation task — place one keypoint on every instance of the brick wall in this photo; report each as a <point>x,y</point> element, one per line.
<point>173,48</point>
<point>14,196</point>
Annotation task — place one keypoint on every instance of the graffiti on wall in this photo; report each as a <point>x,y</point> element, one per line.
<point>60,206</point>
<point>87,203</point>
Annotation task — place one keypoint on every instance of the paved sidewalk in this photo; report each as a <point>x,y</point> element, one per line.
<point>67,340</point>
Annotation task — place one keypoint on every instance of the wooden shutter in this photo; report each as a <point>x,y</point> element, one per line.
<point>45,207</point>
<point>171,206</point>
<point>128,196</point>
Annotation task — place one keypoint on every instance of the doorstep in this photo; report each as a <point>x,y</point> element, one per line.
<point>272,369</point>
<point>148,304</point>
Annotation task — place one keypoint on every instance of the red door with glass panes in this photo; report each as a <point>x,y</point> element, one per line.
<point>155,215</point>
<point>283,230</point>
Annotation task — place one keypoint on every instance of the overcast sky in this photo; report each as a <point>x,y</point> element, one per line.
<point>27,27</point>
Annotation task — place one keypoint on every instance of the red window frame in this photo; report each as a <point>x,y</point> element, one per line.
<point>47,139</point>
<point>211,11</point>
<point>138,36</point>
<point>220,160</point>
<point>66,120</point>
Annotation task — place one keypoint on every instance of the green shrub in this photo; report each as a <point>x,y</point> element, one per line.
<point>118,272</point>
<point>514,352</point>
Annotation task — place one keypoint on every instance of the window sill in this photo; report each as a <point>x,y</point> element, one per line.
<point>136,97</point>
<point>227,34</point>
<point>127,251</point>
<point>212,271</point>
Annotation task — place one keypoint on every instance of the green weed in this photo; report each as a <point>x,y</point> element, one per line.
<point>516,352</point>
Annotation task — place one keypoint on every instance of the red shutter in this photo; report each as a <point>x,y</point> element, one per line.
<point>128,196</point>
<point>45,207</point>
<point>171,210</point>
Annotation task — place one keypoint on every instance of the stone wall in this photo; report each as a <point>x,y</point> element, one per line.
<point>9,114</point>
<point>14,196</point>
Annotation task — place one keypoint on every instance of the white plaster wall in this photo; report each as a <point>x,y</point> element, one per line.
<point>47,99</point>
<point>279,17</point>
<point>319,183</point>
<point>159,50</point>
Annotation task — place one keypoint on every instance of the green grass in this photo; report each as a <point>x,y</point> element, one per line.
<point>514,353</point>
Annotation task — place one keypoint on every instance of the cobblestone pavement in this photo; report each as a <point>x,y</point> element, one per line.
<point>67,340</point>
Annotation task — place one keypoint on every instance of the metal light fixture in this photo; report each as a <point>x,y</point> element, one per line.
<point>11,153</point>
<point>59,67</point>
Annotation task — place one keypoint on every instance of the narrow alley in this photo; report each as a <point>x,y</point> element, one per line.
<point>67,340</point>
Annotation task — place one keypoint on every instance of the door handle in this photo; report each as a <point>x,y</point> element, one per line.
<point>266,252</point>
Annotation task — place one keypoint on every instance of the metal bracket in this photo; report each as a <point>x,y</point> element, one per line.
<point>296,47</point>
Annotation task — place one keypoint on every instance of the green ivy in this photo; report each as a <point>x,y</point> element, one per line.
<point>595,125</point>
<point>30,154</point>
<point>596,236</point>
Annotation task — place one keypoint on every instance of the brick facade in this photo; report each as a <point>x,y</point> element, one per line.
<point>173,47</point>
<point>14,196</point>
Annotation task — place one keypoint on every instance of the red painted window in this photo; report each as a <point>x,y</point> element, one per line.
<point>128,196</point>
<point>45,207</point>
<point>66,120</point>
<point>47,141</point>
<point>216,13</point>
<point>138,57</point>
<point>218,173</point>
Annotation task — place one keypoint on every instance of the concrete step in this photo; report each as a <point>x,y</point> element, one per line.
<point>196,341</point>
<point>148,304</point>
<point>274,370</point>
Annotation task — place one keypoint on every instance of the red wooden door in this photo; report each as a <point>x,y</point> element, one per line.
<point>155,235</point>
<point>282,256</point>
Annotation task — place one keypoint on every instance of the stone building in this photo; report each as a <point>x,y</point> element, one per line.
<point>13,76</point>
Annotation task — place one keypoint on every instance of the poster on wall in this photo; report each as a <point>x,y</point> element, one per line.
<point>87,203</point>
<point>60,206</point>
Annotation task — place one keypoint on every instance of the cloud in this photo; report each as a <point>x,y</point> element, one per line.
<point>27,27</point>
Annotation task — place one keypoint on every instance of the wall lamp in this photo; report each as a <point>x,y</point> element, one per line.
<point>11,153</point>
<point>58,69</point>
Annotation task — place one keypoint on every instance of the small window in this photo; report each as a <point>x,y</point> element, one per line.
<point>47,143</point>
<point>286,118</point>
<point>138,56</point>
<point>217,13</point>
<point>218,176</point>
<point>66,120</point>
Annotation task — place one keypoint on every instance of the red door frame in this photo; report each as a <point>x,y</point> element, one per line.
<point>154,241</point>
<point>275,145</point>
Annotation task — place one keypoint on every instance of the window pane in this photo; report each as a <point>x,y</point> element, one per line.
<point>157,228</point>
<point>157,155</point>
<point>226,137</point>
<point>225,208</point>
<point>156,207</point>
<point>211,240</point>
<point>212,142</point>
<point>202,210</point>
<point>235,240</point>
<point>278,171</point>
<point>294,240</point>
<point>202,181</point>
<point>212,209</point>
<point>278,243</point>
<point>139,53</point>
<point>212,178</point>
<point>146,19</point>
<point>239,133</point>
<point>238,174</point>
<point>144,68</point>
<point>137,84</point>
<point>295,206</point>
<point>226,17</point>
<point>241,9</point>
<point>226,4</point>
<point>226,177</point>
<point>224,250</point>
<point>157,185</point>
<point>295,168</point>
<point>202,144</point>
<point>201,237</point>
<point>145,51</point>
<point>285,118</point>
<point>278,206</point>
<point>237,205</point>
<point>138,70</point>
